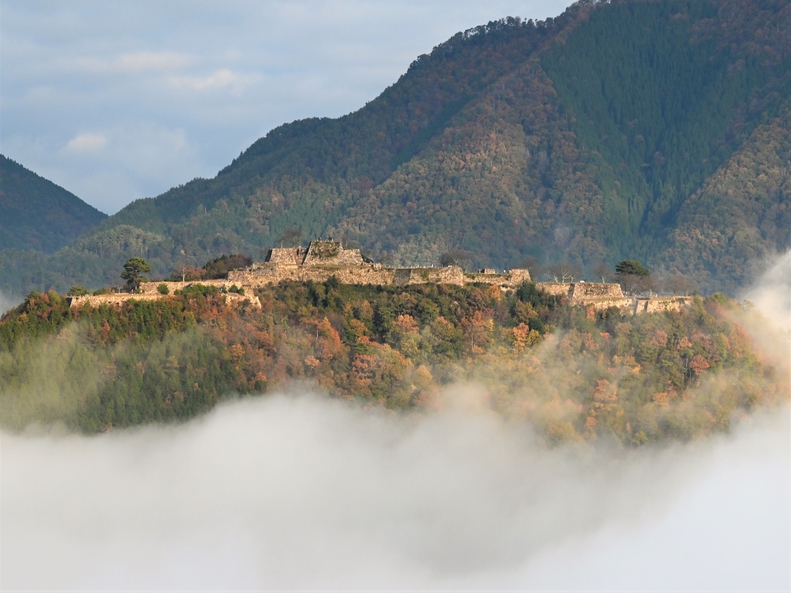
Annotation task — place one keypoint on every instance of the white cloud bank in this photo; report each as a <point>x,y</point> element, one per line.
<point>308,493</point>
<point>772,292</point>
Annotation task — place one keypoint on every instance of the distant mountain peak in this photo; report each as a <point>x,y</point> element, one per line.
<point>37,214</point>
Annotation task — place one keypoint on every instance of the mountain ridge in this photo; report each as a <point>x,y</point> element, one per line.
<point>38,214</point>
<point>584,138</point>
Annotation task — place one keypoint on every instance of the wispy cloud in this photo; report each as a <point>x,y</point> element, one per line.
<point>86,142</point>
<point>226,73</point>
<point>220,79</point>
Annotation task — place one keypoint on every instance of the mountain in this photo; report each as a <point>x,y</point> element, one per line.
<point>37,214</point>
<point>654,130</point>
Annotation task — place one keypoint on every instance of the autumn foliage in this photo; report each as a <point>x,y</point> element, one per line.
<point>570,372</point>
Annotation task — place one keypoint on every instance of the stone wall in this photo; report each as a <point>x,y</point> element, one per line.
<point>118,299</point>
<point>582,291</point>
<point>661,304</point>
<point>115,299</point>
<point>595,290</point>
<point>331,253</point>
<point>446,275</point>
<point>562,289</point>
<point>267,273</point>
<point>293,256</point>
<point>509,279</point>
<point>592,294</point>
<point>153,287</point>
<point>261,274</point>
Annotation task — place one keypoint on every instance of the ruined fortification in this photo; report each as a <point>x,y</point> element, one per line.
<point>322,260</point>
<point>605,295</point>
<point>119,298</point>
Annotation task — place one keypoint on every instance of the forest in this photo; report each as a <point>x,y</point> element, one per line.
<point>37,214</point>
<point>571,373</point>
<point>655,129</point>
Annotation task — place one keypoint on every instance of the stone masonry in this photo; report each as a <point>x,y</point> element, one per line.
<point>321,260</point>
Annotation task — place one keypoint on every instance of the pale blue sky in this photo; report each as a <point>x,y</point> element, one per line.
<point>121,100</point>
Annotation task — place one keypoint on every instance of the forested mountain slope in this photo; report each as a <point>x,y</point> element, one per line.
<point>573,376</point>
<point>636,129</point>
<point>37,214</point>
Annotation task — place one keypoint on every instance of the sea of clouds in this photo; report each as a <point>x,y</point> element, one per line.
<point>302,492</point>
<point>298,491</point>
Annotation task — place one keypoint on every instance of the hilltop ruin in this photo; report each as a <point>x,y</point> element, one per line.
<point>322,259</point>
<point>325,259</point>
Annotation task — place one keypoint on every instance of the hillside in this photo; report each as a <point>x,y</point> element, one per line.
<point>642,129</point>
<point>37,214</point>
<point>572,374</point>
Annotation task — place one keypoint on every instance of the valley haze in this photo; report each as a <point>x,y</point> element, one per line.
<point>299,492</point>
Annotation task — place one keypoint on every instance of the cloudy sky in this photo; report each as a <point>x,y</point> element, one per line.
<point>122,100</point>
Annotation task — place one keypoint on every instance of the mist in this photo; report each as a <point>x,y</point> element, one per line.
<point>772,293</point>
<point>305,492</point>
<point>8,302</point>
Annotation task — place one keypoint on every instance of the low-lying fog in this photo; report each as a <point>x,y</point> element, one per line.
<point>303,492</point>
<point>7,302</point>
<point>308,493</point>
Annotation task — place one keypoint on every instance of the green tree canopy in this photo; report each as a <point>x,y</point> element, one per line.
<point>133,272</point>
<point>630,267</point>
<point>457,257</point>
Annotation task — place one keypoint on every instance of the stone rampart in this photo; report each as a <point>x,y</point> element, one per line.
<point>268,273</point>
<point>582,291</point>
<point>562,289</point>
<point>260,274</point>
<point>288,256</point>
<point>115,299</point>
<point>595,290</point>
<point>661,304</point>
<point>446,275</point>
<point>331,253</point>
<point>605,295</point>
<point>509,279</point>
<point>118,299</point>
<point>153,287</point>
<point>599,296</point>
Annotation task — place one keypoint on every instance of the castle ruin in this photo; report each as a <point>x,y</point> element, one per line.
<point>322,260</point>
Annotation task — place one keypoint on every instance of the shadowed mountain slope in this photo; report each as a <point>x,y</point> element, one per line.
<point>37,214</point>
